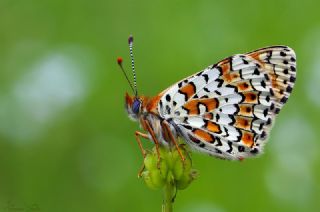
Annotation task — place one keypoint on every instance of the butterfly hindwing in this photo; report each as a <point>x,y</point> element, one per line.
<point>227,109</point>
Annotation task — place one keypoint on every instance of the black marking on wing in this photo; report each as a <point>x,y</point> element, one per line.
<point>206,77</point>
<point>230,147</point>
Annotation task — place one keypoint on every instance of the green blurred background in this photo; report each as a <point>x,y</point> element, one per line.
<point>66,143</point>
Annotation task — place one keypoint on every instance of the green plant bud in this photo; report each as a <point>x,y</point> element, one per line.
<point>150,161</point>
<point>178,169</point>
<point>163,152</point>
<point>148,180</point>
<point>181,167</point>
<point>186,179</point>
<point>170,161</point>
<point>164,168</point>
<point>156,178</point>
<point>156,170</point>
<point>170,169</point>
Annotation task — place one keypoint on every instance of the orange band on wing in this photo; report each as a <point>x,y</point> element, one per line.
<point>227,77</point>
<point>213,127</point>
<point>243,123</point>
<point>251,97</point>
<point>208,116</point>
<point>235,76</point>
<point>211,104</point>
<point>231,76</point>
<point>245,110</point>
<point>273,80</point>
<point>255,55</point>
<point>243,86</point>
<point>188,90</point>
<point>193,105</point>
<point>204,135</point>
<point>225,66</point>
<point>247,138</point>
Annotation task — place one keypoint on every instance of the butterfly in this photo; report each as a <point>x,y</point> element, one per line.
<point>226,110</point>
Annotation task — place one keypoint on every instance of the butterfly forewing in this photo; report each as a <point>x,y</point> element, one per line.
<point>227,110</point>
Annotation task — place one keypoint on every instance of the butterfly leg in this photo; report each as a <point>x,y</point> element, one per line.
<point>143,135</point>
<point>143,151</point>
<point>155,140</point>
<point>173,140</point>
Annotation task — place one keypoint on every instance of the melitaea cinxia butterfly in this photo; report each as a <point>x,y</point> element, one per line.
<point>225,110</point>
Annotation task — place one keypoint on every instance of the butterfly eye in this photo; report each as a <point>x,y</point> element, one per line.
<point>136,106</point>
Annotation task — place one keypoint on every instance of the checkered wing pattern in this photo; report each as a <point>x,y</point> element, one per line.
<point>227,110</point>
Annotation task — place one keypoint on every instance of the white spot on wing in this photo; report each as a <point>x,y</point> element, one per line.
<point>202,109</point>
<point>196,121</point>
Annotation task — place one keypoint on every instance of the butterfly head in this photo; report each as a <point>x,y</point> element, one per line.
<point>134,106</point>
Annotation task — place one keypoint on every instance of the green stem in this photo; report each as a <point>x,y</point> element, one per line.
<point>169,193</point>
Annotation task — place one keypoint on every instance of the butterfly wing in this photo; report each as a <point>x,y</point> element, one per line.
<point>227,110</point>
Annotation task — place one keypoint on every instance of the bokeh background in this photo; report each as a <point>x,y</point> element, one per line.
<point>66,143</point>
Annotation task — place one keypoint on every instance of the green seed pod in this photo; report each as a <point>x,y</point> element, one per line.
<point>169,169</point>
<point>178,168</point>
<point>186,179</point>
<point>156,178</point>
<point>163,152</point>
<point>164,168</point>
<point>181,167</point>
<point>156,170</point>
<point>147,179</point>
<point>150,161</point>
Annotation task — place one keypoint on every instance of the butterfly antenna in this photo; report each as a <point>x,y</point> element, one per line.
<point>119,60</point>
<point>130,40</point>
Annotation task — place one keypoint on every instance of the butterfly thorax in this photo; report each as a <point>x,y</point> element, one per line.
<point>144,110</point>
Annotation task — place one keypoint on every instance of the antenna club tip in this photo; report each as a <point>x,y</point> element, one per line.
<point>119,60</point>
<point>130,39</point>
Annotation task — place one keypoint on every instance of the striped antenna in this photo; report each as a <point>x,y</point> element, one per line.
<point>130,40</point>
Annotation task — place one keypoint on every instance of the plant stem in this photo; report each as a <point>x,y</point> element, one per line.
<point>169,192</point>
